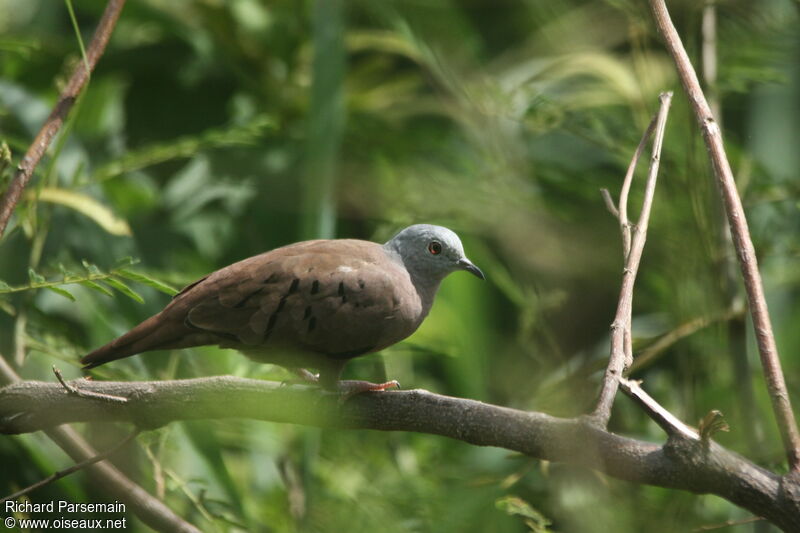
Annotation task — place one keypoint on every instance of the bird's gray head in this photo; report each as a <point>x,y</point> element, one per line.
<point>430,253</point>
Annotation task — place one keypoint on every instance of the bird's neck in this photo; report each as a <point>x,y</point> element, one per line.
<point>425,284</point>
<point>427,292</point>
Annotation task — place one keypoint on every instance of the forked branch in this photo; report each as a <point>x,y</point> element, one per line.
<point>634,236</point>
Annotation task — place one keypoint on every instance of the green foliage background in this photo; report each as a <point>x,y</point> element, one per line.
<point>212,131</point>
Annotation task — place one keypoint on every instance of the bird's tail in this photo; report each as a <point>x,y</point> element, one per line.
<point>155,333</point>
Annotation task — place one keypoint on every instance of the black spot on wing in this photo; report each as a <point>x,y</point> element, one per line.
<point>273,318</point>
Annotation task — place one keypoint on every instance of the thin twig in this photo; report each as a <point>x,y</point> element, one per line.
<point>649,354</point>
<point>192,497</point>
<point>729,523</point>
<point>655,411</point>
<point>74,468</point>
<point>59,114</point>
<point>85,393</point>
<point>767,348</point>
<point>158,470</point>
<point>736,330</point>
<point>609,202</point>
<point>622,208</point>
<point>621,356</point>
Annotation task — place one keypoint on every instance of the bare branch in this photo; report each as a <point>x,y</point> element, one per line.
<point>112,481</point>
<point>729,523</point>
<point>621,356</point>
<point>59,114</point>
<point>609,202</point>
<point>748,263</point>
<point>655,411</point>
<point>624,223</point>
<point>736,328</point>
<point>682,463</point>
<point>73,389</point>
<point>650,353</point>
<point>74,468</point>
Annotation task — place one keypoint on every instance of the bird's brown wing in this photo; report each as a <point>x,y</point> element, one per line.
<point>339,298</point>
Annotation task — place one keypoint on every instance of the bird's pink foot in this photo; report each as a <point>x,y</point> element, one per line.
<point>350,387</point>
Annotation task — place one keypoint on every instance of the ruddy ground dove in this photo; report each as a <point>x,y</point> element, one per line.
<point>311,304</point>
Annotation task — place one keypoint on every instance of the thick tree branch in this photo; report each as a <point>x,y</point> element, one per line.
<point>712,136</point>
<point>633,240</point>
<point>681,463</point>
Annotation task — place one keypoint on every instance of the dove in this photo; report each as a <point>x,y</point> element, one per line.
<point>313,304</point>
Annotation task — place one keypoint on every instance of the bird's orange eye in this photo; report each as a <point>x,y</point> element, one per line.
<point>435,247</point>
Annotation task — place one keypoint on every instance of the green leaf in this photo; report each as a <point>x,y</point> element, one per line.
<point>91,268</point>
<point>124,289</point>
<point>63,292</point>
<point>7,308</point>
<point>182,147</point>
<point>125,261</point>
<point>86,205</point>
<point>34,277</point>
<point>4,287</point>
<point>64,272</point>
<point>141,278</point>
<point>97,287</point>
<point>5,163</point>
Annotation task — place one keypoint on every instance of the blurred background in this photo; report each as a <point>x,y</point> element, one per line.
<point>212,131</point>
